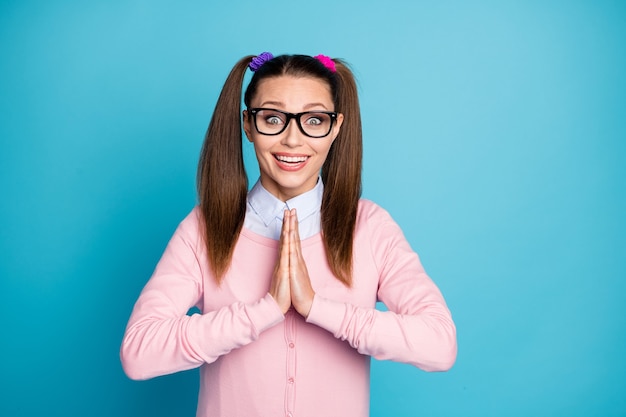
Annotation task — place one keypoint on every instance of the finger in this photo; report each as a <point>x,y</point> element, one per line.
<point>294,222</point>
<point>285,238</point>
<point>297,265</point>
<point>295,227</point>
<point>294,242</point>
<point>282,263</point>
<point>285,226</point>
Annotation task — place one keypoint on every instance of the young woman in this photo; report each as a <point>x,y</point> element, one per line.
<point>287,275</point>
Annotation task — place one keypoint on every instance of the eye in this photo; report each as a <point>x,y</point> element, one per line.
<point>272,118</point>
<point>316,119</point>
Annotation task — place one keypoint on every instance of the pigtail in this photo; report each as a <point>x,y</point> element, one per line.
<point>341,174</point>
<point>222,182</point>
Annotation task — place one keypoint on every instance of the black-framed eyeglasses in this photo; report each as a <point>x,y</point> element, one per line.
<point>314,124</point>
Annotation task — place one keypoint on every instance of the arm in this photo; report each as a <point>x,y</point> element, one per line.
<point>161,338</point>
<point>418,328</point>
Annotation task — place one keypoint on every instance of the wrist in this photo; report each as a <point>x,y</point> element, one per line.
<point>305,307</point>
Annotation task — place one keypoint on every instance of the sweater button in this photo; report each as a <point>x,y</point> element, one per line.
<point>291,380</point>
<point>291,345</point>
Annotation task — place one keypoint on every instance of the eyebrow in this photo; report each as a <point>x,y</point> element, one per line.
<point>280,104</point>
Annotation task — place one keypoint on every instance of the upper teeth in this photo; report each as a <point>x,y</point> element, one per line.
<point>291,158</point>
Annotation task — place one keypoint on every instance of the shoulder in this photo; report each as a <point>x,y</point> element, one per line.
<point>190,227</point>
<point>193,218</point>
<point>371,213</point>
<point>376,222</point>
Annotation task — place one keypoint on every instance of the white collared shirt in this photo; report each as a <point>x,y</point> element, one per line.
<point>264,212</point>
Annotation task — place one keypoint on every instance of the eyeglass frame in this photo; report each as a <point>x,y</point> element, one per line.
<point>297,116</point>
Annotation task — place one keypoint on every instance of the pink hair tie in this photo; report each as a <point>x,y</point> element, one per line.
<point>327,62</point>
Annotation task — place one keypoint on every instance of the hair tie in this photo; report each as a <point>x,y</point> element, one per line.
<point>327,62</point>
<point>258,61</point>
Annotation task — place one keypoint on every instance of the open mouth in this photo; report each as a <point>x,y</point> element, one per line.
<point>291,160</point>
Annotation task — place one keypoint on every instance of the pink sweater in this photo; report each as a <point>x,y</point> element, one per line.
<point>255,361</point>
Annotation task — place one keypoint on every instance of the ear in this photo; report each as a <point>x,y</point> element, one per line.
<point>337,126</point>
<point>246,125</point>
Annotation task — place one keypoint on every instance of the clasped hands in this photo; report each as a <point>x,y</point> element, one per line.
<point>290,283</point>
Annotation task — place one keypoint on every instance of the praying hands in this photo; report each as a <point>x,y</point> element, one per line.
<point>291,284</point>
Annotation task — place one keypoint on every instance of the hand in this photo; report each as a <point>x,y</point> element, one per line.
<point>279,287</point>
<point>299,282</point>
<point>291,283</point>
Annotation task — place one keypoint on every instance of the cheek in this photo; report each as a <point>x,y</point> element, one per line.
<point>323,149</point>
<point>261,147</point>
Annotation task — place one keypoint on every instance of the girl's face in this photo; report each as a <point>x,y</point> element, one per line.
<point>290,162</point>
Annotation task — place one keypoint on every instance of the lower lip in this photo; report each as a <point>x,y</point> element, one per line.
<point>286,166</point>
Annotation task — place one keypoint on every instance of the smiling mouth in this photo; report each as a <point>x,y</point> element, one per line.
<point>294,160</point>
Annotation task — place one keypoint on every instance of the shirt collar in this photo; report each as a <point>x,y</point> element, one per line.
<point>268,207</point>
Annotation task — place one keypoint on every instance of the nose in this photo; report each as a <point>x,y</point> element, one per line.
<point>292,136</point>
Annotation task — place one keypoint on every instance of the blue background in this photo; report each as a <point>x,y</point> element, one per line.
<point>494,134</point>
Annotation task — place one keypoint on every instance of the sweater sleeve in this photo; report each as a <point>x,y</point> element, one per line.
<point>417,328</point>
<point>161,338</point>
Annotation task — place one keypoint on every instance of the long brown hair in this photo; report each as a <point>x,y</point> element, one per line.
<point>222,181</point>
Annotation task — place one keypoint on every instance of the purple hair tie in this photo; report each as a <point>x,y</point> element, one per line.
<point>258,61</point>
<point>327,62</point>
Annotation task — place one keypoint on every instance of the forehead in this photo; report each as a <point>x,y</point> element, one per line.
<point>291,90</point>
